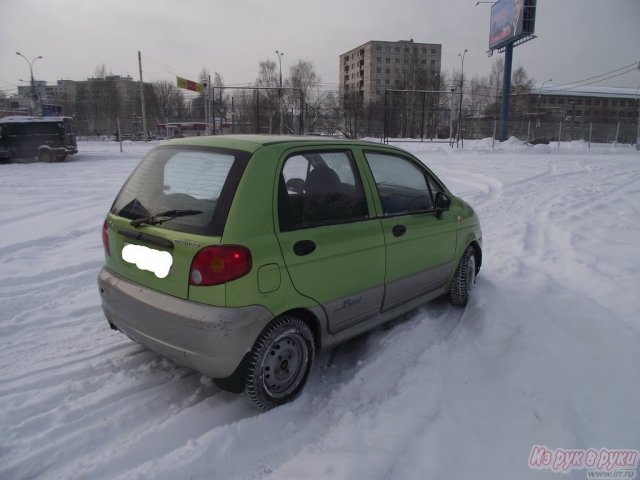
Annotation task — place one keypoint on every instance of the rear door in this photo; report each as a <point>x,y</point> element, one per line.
<point>332,245</point>
<point>419,246</point>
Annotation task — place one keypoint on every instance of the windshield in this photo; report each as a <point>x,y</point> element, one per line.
<point>183,179</point>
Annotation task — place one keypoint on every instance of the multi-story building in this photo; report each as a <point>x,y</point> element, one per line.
<point>44,93</point>
<point>96,103</point>
<point>368,70</point>
<point>586,104</point>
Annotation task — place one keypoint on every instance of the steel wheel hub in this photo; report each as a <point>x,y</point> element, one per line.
<point>284,365</point>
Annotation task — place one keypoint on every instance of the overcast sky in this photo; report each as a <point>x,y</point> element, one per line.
<point>577,39</point>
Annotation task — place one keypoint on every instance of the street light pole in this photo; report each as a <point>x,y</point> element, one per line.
<point>461,55</point>
<point>33,83</point>
<point>538,105</point>
<point>280,54</point>
<point>539,94</point>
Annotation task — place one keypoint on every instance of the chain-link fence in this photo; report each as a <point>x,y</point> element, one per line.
<point>432,116</point>
<point>266,110</point>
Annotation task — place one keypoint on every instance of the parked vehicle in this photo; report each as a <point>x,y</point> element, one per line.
<point>243,256</point>
<point>46,139</point>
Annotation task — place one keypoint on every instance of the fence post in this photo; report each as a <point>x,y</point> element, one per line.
<point>529,131</point>
<point>258,112</point>
<point>385,138</point>
<point>120,133</point>
<point>559,134</point>
<point>495,128</point>
<point>615,144</point>
<point>233,123</point>
<point>302,109</point>
<point>424,95</point>
<point>590,133</point>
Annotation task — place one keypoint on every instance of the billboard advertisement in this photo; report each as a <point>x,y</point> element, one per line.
<point>507,21</point>
<point>52,110</point>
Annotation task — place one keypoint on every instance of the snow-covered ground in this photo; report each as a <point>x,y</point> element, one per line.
<point>546,353</point>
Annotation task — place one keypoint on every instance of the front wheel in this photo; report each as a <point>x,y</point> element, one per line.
<point>464,278</point>
<point>279,363</point>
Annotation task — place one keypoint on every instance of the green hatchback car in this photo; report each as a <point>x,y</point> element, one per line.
<point>243,256</point>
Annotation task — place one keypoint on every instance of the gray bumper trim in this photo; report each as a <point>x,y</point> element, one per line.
<point>212,340</point>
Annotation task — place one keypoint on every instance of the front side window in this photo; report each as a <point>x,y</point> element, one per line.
<point>320,188</point>
<point>199,182</point>
<point>403,186</point>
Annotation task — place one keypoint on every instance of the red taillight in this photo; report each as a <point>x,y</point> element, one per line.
<point>105,238</point>
<point>219,264</point>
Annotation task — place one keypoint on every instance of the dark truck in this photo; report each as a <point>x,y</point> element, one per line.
<point>46,139</point>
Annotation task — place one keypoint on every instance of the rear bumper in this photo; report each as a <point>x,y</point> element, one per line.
<point>211,340</point>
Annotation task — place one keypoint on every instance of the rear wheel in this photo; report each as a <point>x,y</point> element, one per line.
<point>45,156</point>
<point>279,363</point>
<point>464,279</point>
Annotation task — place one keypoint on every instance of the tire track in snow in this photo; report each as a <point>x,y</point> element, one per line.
<point>332,394</point>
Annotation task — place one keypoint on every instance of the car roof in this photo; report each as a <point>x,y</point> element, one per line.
<point>30,119</point>
<point>252,143</point>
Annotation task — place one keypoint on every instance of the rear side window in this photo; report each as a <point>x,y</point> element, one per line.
<point>33,128</point>
<point>320,188</point>
<point>193,179</point>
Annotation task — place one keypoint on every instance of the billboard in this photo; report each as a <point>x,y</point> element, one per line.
<point>510,21</point>
<point>52,110</point>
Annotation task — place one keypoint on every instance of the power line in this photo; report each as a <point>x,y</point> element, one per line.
<point>579,84</point>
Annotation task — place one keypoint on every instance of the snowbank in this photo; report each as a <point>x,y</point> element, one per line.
<point>546,353</point>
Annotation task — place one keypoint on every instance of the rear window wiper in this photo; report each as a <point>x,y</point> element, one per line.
<point>158,218</point>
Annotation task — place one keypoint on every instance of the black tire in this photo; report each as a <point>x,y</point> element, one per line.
<point>45,156</point>
<point>279,363</point>
<point>464,278</point>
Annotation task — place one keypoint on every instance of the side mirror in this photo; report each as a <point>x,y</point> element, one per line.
<point>442,203</point>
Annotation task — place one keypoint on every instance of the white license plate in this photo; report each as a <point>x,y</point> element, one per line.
<point>157,261</point>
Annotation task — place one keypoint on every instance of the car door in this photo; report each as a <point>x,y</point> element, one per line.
<point>420,242</point>
<point>332,245</point>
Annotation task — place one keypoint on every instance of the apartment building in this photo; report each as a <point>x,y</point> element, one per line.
<point>367,70</point>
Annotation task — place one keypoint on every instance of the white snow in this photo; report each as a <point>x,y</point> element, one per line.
<point>546,353</point>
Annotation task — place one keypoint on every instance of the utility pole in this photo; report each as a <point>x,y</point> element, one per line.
<point>638,107</point>
<point>34,95</point>
<point>452,88</point>
<point>144,113</point>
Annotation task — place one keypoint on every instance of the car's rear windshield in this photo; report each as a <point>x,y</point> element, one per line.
<point>187,180</point>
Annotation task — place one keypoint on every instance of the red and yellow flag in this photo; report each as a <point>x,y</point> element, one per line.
<point>189,84</point>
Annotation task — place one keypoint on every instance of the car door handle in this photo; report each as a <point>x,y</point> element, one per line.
<point>304,247</point>
<point>399,230</point>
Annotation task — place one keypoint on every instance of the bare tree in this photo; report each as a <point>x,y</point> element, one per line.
<point>521,85</point>
<point>268,74</point>
<point>268,77</point>
<point>170,101</point>
<point>101,71</point>
<point>495,80</point>
<point>303,76</point>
